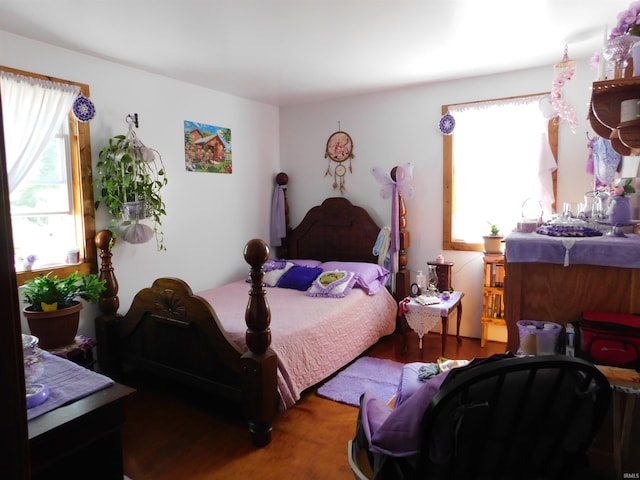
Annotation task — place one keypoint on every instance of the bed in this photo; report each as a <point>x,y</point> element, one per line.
<point>249,341</point>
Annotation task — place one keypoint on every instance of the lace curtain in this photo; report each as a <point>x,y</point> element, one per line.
<point>32,111</point>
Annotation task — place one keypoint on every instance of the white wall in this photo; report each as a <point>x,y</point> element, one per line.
<point>210,217</point>
<point>398,126</point>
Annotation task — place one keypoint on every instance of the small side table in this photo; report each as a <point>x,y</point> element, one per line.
<point>422,318</point>
<point>79,352</point>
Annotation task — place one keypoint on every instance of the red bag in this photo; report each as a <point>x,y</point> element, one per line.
<point>609,338</point>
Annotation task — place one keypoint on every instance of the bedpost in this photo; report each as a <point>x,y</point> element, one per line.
<point>106,323</point>
<point>259,364</point>
<point>403,275</point>
<point>282,179</point>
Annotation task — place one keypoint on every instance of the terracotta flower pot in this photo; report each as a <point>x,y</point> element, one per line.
<point>55,329</point>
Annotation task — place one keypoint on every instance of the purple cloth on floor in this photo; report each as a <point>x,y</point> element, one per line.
<point>610,251</point>
<point>67,382</point>
<point>410,381</point>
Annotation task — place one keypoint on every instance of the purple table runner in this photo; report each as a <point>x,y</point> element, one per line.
<point>608,251</point>
<point>67,382</point>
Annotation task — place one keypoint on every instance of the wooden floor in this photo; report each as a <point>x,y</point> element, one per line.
<point>167,436</point>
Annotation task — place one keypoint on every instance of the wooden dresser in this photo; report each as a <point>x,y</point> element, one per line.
<point>601,273</point>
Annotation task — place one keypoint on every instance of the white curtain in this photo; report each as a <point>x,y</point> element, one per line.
<point>502,159</point>
<point>32,111</point>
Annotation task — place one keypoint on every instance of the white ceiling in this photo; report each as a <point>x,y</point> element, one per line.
<point>285,52</point>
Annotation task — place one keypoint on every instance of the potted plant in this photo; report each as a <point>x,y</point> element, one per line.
<point>493,241</point>
<point>53,312</point>
<point>130,178</point>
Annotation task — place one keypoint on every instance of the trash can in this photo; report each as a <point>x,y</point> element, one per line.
<point>538,338</point>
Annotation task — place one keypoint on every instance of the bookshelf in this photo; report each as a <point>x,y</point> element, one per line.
<point>492,294</point>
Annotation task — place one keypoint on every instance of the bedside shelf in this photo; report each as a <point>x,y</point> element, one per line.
<point>492,294</point>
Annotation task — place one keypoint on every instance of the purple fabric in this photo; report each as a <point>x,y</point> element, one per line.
<point>370,276</point>
<point>377,376</point>
<point>278,217</point>
<point>274,264</point>
<point>623,252</point>
<point>299,278</point>
<point>396,432</point>
<point>409,382</point>
<point>306,262</point>
<point>395,228</point>
<point>272,272</point>
<point>67,382</point>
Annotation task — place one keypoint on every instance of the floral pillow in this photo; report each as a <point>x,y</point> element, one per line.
<point>335,283</point>
<point>369,276</point>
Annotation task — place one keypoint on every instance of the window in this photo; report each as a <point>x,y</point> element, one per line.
<point>500,158</point>
<point>52,209</point>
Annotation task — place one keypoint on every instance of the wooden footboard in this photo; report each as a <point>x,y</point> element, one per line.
<point>175,334</point>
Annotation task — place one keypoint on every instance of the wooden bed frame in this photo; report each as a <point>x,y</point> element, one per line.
<point>190,346</point>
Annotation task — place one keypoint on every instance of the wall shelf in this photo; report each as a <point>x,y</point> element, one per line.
<point>604,113</point>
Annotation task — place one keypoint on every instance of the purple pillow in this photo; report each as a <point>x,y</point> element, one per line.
<point>305,262</point>
<point>371,277</point>
<point>299,278</point>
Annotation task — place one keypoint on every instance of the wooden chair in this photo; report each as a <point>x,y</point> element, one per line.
<point>520,417</point>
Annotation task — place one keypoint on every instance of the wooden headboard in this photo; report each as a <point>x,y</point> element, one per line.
<point>339,230</point>
<point>335,230</point>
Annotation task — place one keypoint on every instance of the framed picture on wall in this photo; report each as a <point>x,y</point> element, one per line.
<point>207,148</point>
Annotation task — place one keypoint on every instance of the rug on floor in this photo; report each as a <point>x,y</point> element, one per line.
<point>367,374</point>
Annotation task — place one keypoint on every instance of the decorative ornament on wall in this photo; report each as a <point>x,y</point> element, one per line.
<point>447,124</point>
<point>83,109</point>
<point>339,149</point>
<point>563,72</point>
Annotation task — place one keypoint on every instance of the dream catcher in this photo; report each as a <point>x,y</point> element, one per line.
<point>395,189</point>
<point>339,149</point>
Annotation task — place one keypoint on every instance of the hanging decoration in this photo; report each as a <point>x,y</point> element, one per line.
<point>339,149</point>
<point>83,109</point>
<point>563,72</point>
<point>447,124</point>
<point>603,160</point>
<point>400,187</point>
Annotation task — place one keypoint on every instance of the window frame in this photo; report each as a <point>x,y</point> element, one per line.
<point>82,178</point>
<point>448,243</point>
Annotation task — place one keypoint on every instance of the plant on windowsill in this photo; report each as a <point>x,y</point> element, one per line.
<point>53,312</point>
<point>130,178</point>
<point>493,241</point>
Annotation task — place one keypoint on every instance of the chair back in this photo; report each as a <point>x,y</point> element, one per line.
<point>524,418</point>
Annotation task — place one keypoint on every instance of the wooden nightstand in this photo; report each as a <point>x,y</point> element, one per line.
<point>422,318</point>
<point>444,275</point>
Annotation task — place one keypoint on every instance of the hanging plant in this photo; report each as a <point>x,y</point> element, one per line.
<point>130,178</point>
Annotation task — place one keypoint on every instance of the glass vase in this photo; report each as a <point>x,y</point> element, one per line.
<point>619,210</point>
<point>433,279</point>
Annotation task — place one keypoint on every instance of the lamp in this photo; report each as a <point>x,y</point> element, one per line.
<point>563,72</point>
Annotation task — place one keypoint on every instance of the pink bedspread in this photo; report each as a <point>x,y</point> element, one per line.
<point>312,336</point>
